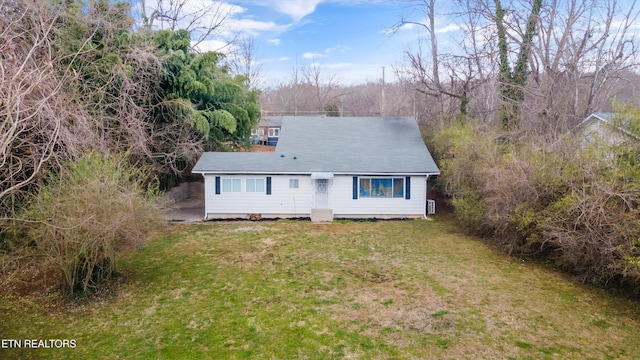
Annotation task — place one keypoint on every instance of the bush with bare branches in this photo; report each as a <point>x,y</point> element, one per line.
<point>574,205</point>
<point>87,215</point>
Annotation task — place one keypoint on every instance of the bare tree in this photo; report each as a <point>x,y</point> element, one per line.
<point>584,56</point>
<point>424,69</point>
<point>244,62</point>
<point>558,60</point>
<point>31,108</point>
<point>203,19</point>
<point>464,71</point>
<point>324,89</point>
<point>286,97</point>
<point>307,91</point>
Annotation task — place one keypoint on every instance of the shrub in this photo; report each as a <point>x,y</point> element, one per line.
<point>594,223</point>
<point>87,214</point>
<point>463,156</point>
<point>575,205</point>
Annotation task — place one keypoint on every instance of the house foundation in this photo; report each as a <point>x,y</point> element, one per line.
<point>321,215</point>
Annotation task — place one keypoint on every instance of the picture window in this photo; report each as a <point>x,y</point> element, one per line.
<point>381,187</point>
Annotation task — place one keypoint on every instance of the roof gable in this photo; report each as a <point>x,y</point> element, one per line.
<point>603,123</point>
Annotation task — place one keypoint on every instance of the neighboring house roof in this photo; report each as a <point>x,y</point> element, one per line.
<point>273,121</point>
<point>356,145</point>
<point>606,119</point>
<point>603,117</point>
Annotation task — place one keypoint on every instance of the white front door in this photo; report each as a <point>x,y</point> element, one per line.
<point>322,194</point>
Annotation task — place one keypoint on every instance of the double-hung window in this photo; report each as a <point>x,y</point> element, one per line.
<point>231,185</point>
<point>255,185</point>
<point>274,132</point>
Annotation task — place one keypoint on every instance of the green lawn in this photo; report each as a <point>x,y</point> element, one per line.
<point>352,290</point>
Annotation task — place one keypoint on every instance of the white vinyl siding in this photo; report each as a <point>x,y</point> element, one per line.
<point>343,204</point>
<point>283,201</point>
<point>291,202</point>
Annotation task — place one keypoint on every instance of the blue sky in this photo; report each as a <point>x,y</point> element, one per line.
<point>348,39</point>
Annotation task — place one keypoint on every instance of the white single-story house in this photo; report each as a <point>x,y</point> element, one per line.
<point>324,168</point>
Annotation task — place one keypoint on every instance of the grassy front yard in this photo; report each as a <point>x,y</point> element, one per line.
<point>289,289</point>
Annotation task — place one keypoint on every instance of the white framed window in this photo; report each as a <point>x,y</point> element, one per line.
<point>382,187</point>
<point>294,183</point>
<point>254,185</point>
<point>231,185</point>
<point>274,132</point>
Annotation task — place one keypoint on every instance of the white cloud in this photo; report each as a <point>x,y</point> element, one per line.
<point>420,25</point>
<point>214,45</point>
<point>297,9</point>
<point>252,27</point>
<point>284,58</point>
<point>228,19</point>
<point>338,48</point>
<point>274,42</point>
<point>448,28</point>
<point>312,55</point>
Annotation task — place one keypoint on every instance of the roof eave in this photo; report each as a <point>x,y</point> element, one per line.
<point>350,173</point>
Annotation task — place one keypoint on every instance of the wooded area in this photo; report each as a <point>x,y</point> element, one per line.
<point>80,79</point>
<point>78,75</point>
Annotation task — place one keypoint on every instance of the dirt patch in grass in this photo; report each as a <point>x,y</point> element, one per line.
<point>34,279</point>
<point>386,306</point>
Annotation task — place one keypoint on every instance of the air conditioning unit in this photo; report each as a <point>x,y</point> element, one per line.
<point>431,206</point>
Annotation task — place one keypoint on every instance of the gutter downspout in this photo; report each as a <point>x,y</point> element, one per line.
<point>426,179</point>
<point>206,216</point>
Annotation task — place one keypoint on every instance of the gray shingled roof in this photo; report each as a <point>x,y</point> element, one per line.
<point>355,145</point>
<point>271,121</point>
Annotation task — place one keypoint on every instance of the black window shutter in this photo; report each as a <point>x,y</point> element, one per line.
<point>268,185</point>
<point>407,188</point>
<point>217,185</point>
<point>355,187</point>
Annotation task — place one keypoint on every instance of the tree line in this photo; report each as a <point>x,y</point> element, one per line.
<point>532,66</point>
<point>526,66</point>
